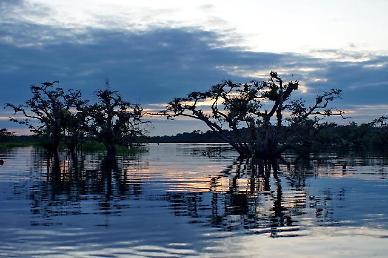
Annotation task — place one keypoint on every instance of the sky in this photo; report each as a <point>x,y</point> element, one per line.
<point>152,50</point>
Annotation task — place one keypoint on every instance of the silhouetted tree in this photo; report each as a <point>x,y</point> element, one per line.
<point>4,134</point>
<point>379,132</point>
<point>303,122</point>
<point>114,121</point>
<point>45,113</point>
<point>381,122</point>
<point>258,107</point>
<point>75,125</point>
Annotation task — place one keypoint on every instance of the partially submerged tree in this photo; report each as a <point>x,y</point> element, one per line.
<point>47,114</point>
<point>114,121</point>
<point>43,113</point>
<point>251,116</point>
<point>303,122</point>
<point>75,126</point>
<point>61,116</point>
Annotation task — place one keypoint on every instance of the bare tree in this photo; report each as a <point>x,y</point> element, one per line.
<point>250,116</point>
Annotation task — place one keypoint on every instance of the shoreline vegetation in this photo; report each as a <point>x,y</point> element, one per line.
<point>260,120</point>
<point>87,146</point>
<point>351,136</point>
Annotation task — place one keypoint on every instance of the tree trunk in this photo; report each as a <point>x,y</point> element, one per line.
<point>110,152</point>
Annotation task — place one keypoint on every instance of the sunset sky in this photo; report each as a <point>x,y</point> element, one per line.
<point>152,51</point>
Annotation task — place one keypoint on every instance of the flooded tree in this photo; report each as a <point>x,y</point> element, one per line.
<point>251,116</point>
<point>75,126</point>
<point>114,121</point>
<point>45,113</point>
<point>64,117</point>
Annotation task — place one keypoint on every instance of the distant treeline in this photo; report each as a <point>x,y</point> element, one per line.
<point>259,119</point>
<point>89,144</point>
<point>193,137</point>
<point>351,136</point>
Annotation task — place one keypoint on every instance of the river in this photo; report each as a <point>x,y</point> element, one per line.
<point>193,200</point>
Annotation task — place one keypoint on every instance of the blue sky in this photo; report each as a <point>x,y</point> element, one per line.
<point>153,51</point>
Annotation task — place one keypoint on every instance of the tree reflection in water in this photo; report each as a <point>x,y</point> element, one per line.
<point>246,195</point>
<point>251,197</point>
<point>62,190</point>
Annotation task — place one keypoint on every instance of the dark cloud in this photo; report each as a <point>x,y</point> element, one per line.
<point>157,65</point>
<point>6,4</point>
<point>148,67</point>
<point>363,82</point>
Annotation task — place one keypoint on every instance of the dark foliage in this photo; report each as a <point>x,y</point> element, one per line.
<point>64,117</point>
<point>258,107</point>
<point>46,112</point>
<point>114,121</point>
<point>4,134</point>
<point>328,136</point>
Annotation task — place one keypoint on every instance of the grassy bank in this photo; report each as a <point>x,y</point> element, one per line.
<point>94,146</point>
<point>87,146</point>
<point>20,141</point>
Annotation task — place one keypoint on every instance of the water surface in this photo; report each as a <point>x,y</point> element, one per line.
<point>193,200</point>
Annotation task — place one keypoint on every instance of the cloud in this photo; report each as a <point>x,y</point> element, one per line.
<point>298,27</point>
<point>6,5</point>
<point>156,65</point>
<point>147,67</point>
